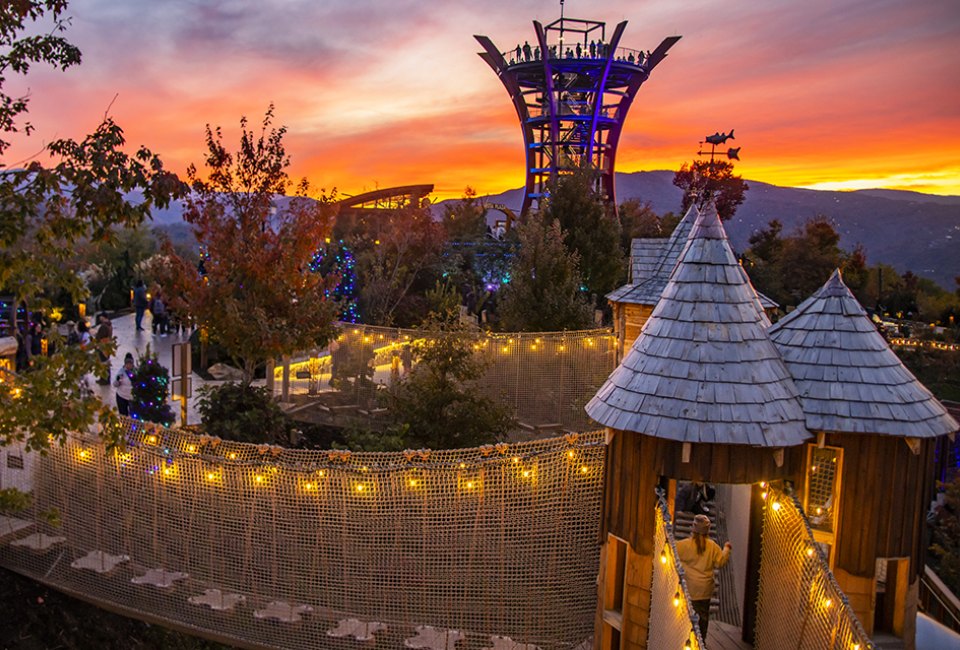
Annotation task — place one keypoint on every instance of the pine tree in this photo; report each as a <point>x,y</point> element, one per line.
<point>151,387</point>
<point>544,293</point>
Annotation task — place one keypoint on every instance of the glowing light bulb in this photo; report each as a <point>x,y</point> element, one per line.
<point>809,551</point>
<point>152,440</point>
<point>258,478</point>
<point>413,482</point>
<point>167,471</point>
<point>676,599</point>
<point>584,469</point>
<point>763,495</point>
<point>308,486</point>
<point>515,459</point>
<point>469,485</point>
<point>570,454</point>
<point>776,506</point>
<point>360,487</point>
<point>819,510</point>
<point>321,473</point>
<point>813,469</point>
<point>828,603</point>
<point>463,465</point>
<point>191,449</point>
<point>763,484</point>
<point>663,557</point>
<point>211,476</point>
<point>526,473</point>
<point>232,456</point>
<point>83,453</point>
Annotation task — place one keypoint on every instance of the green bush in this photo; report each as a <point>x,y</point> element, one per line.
<point>233,411</point>
<point>945,537</point>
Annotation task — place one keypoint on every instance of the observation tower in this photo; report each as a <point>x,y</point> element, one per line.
<point>572,87</point>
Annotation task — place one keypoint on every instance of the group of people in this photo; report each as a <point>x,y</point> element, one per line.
<point>164,321</point>
<point>596,49</point>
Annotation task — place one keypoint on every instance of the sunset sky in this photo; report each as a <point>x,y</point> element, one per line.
<point>375,93</point>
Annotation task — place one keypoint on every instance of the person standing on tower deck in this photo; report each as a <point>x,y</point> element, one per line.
<point>700,557</point>
<point>593,49</point>
<point>518,52</point>
<point>526,51</point>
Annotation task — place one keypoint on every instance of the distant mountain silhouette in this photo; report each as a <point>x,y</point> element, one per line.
<point>907,230</point>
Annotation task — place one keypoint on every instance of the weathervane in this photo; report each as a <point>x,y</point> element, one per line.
<point>733,153</point>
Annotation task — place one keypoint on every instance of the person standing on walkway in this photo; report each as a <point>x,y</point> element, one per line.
<point>104,334</point>
<point>123,382</point>
<point>140,303</point>
<point>700,557</point>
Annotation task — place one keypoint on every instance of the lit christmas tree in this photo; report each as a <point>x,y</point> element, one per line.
<point>151,386</point>
<point>336,259</point>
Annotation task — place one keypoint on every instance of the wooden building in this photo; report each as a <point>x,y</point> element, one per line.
<point>652,260</point>
<point>869,479</point>
<point>702,394</point>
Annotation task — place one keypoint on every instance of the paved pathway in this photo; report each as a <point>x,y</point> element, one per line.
<point>130,340</point>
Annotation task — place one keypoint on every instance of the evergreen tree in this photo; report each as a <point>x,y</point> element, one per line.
<point>544,293</point>
<point>588,230</point>
<point>151,387</point>
<point>466,219</point>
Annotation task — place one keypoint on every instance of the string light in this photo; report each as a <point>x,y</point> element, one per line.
<point>828,603</point>
<point>663,556</point>
<point>570,454</point>
<point>676,598</point>
<point>763,495</point>
<point>776,506</point>
<point>810,551</point>
<point>584,469</point>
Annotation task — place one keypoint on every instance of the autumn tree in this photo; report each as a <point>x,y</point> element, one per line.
<point>71,192</point>
<point>589,229</point>
<point>256,297</point>
<point>544,293</point>
<point>711,180</point>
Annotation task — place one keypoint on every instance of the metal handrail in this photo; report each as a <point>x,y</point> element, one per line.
<point>948,612</point>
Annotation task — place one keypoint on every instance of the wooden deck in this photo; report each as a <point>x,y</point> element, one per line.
<point>722,636</point>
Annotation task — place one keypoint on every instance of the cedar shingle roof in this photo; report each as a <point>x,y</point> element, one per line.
<point>653,260</point>
<point>703,368</point>
<point>850,381</point>
<point>651,263</point>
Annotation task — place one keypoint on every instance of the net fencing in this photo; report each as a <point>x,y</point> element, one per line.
<point>269,547</point>
<point>544,378</point>
<point>798,592</point>
<point>673,623</point>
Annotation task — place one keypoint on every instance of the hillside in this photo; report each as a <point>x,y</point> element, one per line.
<point>907,230</point>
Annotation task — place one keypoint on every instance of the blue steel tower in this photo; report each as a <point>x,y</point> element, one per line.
<point>572,89</point>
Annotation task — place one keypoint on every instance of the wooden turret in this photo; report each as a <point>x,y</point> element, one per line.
<point>869,479</point>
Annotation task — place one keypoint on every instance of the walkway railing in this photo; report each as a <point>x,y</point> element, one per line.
<point>260,546</point>
<point>543,378</point>
<point>798,592</point>
<point>938,601</point>
<point>673,623</point>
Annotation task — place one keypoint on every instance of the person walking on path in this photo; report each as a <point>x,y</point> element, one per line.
<point>104,334</point>
<point>700,557</point>
<point>124,385</point>
<point>160,319</point>
<point>140,303</point>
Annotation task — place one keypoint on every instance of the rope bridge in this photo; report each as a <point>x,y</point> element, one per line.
<point>544,378</point>
<point>797,589</point>
<point>261,546</point>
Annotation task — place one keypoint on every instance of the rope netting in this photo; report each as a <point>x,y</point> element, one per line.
<point>798,592</point>
<point>673,623</point>
<point>544,378</point>
<point>275,547</point>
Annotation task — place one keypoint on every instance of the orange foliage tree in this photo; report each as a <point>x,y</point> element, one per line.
<point>255,295</point>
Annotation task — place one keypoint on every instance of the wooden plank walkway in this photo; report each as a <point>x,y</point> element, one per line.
<point>722,636</point>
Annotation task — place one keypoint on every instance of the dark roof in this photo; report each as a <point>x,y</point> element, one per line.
<point>850,381</point>
<point>703,368</point>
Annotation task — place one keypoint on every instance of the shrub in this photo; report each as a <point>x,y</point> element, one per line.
<point>233,411</point>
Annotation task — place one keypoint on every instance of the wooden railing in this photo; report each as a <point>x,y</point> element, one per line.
<point>938,601</point>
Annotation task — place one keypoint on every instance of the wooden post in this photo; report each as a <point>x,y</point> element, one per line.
<point>285,387</point>
<point>751,589</point>
<point>861,593</point>
<point>271,366</point>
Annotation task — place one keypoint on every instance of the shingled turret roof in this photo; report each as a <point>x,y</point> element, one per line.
<point>652,261</point>
<point>850,381</point>
<point>703,368</point>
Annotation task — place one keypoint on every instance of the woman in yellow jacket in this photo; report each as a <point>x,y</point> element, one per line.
<point>700,557</point>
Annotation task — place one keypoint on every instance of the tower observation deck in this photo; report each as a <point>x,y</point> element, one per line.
<point>572,88</point>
